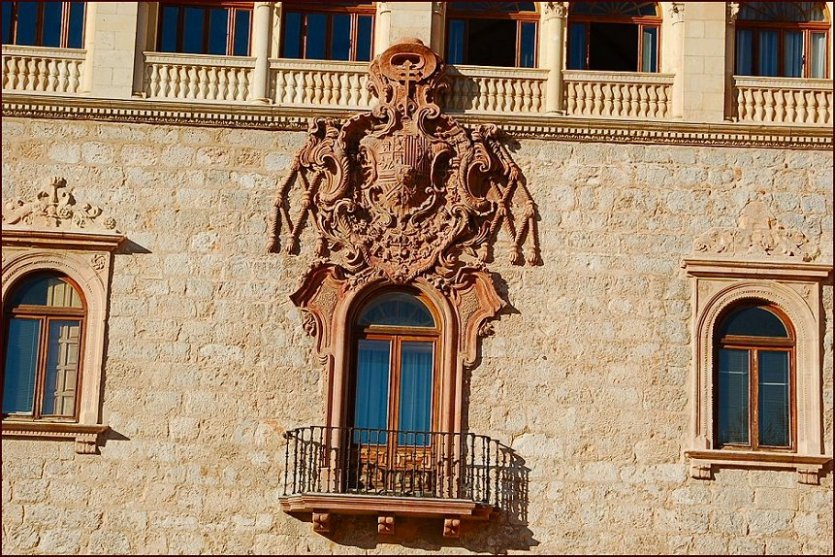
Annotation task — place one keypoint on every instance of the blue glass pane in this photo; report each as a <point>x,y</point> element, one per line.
<point>365,24</point>
<point>315,36</point>
<point>291,47</point>
<point>744,52</point>
<point>774,398</point>
<point>768,58</point>
<point>527,56</point>
<point>241,46</point>
<point>577,46</point>
<point>46,290</point>
<point>75,38</point>
<point>341,37</point>
<point>27,21</point>
<point>793,54</point>
<point>193,24</point>
<point>6,16</point>
<point>218,30</point>
<point>753,322</point>
<point>371,402</point>
<point>649,57</point>
<point>21,361</point>
<point>60,382</point>
<point>397,309</point>
<point>415,392</point>
<point>51,24</point>
<point>733,397</point>
<point>168,29</point>
<point>782,11</point>
<point>455,42</point>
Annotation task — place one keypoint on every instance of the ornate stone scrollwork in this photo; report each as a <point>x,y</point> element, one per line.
<point>54,207</point>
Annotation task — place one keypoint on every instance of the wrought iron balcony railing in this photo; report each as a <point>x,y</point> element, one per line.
<point>359,461</point>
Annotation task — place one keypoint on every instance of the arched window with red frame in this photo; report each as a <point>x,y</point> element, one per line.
<point>614,36</point>
<point>492,34</point>
<point>219,28</point>
<point>782,39</point>
<point>43,323</point>
<point>327,30</point>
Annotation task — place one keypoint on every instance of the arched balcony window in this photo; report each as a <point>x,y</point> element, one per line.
<point>219,28</point>
<point>614,36</point>
<point>44,324</point>
<point>492,33</point>
<point>327,30</point>
<point>782,39</point>
<point>754,380</point>
<point>54,24</point>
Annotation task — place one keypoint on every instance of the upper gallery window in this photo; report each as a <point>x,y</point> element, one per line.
<point>755,380</point>
<point>328,30</point>
<point>614,36</point>
<point>221,28</point>
<point>44,324</point>
<point>492,33</point>
<point>55,24</point>
<point>782,39</point>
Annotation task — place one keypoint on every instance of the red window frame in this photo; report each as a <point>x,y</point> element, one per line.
<point>329,10</point>
<point>65,24</point>
<point>233,7</point>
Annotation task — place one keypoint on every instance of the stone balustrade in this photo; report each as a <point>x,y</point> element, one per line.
<point>42,70</point>
<point>507,90</point>
<point>618,94</point>
<point>198,77</point>
<point>317,83</point>
<point>783,100</point>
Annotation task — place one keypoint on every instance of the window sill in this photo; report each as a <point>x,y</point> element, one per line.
<point>808,467</point>
<point>86,437</point>
<point>322,506</point>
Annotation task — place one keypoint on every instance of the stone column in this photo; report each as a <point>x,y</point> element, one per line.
<point>141,47</point>
<point>261,51</point>
<point>675,54</point>
<point>730,60</point>
<point>553,29</point>
<point>438,28</point>
<point>382,27</point>
<point>409,20</point>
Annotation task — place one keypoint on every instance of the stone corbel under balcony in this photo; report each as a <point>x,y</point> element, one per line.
<point>86,437</point>
<point>808,467</point>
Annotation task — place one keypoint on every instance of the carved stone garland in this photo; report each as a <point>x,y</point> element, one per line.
<point>404,194</point>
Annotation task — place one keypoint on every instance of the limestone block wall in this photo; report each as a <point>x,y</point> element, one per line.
<point>586,377</point>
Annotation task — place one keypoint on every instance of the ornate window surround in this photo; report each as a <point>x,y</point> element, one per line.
<point>50,233</point>
<point>757,261</point>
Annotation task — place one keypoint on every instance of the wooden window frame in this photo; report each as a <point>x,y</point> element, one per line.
<point>518,17</point>
<point>233,7</point>
<point>641,21</point>
<point>782,27</point>
<point>44,315</point>
<point>39,21</point>
<point>329,11</point>
<point>753,345</point>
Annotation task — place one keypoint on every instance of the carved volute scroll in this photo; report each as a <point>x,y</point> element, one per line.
<point>402,195</point>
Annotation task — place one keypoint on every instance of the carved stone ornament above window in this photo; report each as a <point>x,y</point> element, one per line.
<point>757,235</point>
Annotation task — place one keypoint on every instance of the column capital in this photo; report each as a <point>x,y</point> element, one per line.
<point>733,11</point>
<point>554,10</point>
<point>676,12</point>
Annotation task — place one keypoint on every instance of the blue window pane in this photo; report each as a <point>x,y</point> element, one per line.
<point>755,322</point>
<point>218,30</point>
<point>371,402</point>
<point>527,56</point>
<point>27,21</point>
<point>75,37</point>
<point>7,22</point>
<point>315,36</point>
<point>21,361</point>
<point>456,41</point>
<point>793,54</point>
<point>292,35</point>
<point>341,37</point>
<point>744,52</point>
<point>51,24</point>
<point>241,46</point>
<point>577,46</point>
<point>733,397</point>
<point>767,61</point>
<point>774,398</point>
<point>193,23</point>
<point>168,31</point>
<point>415,393</point>
<point>364,27</point>
<point>649,57</point>
<point>396,309</point>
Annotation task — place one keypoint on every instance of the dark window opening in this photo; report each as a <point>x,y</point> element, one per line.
<point>52,24</point>
<point>492,34</point>
<point>219,29</point>
<point>328,31</point>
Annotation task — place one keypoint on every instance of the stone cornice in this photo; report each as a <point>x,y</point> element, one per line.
<point>520,126</point>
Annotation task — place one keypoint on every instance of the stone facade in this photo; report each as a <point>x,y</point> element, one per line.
<point>586,376</point>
